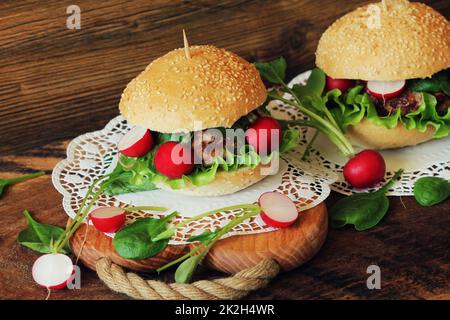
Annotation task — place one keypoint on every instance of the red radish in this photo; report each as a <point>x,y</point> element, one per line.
<point>278,210</point>
<point>365,169</point>
<point>385,89</point>
<point>136,142</point>
<point>108,219</point>
<point>173,161</point>
<point>341,84</point>
<point>53,270</point>
<point>259,135</point>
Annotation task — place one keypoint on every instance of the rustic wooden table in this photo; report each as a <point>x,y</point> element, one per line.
<point>57,83</point>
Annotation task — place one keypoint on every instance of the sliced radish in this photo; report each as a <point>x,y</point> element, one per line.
<point>53,270</point>
<point>278,210</point>
<point>136,142</point>
<point>108,219</point>
<point>385,89</point>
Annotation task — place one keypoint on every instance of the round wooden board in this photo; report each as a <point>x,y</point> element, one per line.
<point>290,247</point>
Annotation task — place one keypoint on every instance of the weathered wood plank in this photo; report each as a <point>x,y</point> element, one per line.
<point>410,246</point>
<point>56,83</point>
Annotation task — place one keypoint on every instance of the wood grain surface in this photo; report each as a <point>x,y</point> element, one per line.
<point>411,246</point>
<point>89,245</point>
<point>57,83</point>
<point>291,247</point>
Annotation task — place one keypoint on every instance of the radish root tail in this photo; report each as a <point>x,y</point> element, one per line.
<point>49,292</point>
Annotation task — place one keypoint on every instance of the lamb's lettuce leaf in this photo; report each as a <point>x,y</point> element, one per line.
<point>290,140</point>
<point>438,82</point>
<point>313,87</point>
<point>274,71</point>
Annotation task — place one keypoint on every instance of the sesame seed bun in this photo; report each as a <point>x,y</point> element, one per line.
<point>224,183</point>
<point>412,41</point>
<point>368,135</point>
<point>212,89</point>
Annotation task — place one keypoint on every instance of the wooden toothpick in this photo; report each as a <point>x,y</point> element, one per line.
<point>187,52</point>
<point>383,2</point>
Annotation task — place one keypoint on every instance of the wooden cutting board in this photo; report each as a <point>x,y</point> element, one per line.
<point>290,247</point>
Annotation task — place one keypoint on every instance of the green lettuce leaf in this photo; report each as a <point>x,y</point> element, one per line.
<point>139,174</point>
<point>352,108</point>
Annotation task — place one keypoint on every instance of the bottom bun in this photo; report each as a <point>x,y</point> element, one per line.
<point>368,135</point>
<point>224,183</point>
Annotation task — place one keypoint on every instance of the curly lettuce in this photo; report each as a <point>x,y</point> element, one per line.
<point>351,108</point>
<point>139,174</point>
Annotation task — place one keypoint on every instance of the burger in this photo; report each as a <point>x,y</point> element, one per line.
<point>183,107</point>
<point>390,61</point>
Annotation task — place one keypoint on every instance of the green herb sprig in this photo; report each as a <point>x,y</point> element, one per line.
<point>81,214</point>
<point>191,260</point>
<point>46,238</point>
<point>40,237</point>
<point>51,239</point>
<point>171,231</point>
<point>308,99</point>
<point>6,182</point>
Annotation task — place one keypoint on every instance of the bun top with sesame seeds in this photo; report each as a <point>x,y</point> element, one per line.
<point>214,88</point>
<point>386,41</point>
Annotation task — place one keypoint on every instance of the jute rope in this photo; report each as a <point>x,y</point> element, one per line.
<point>233,287</point>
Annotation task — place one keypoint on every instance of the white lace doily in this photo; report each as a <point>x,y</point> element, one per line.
<point>427,159</point>
<point>94,154</point>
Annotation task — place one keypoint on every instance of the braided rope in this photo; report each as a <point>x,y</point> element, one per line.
<point>233,287</point>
